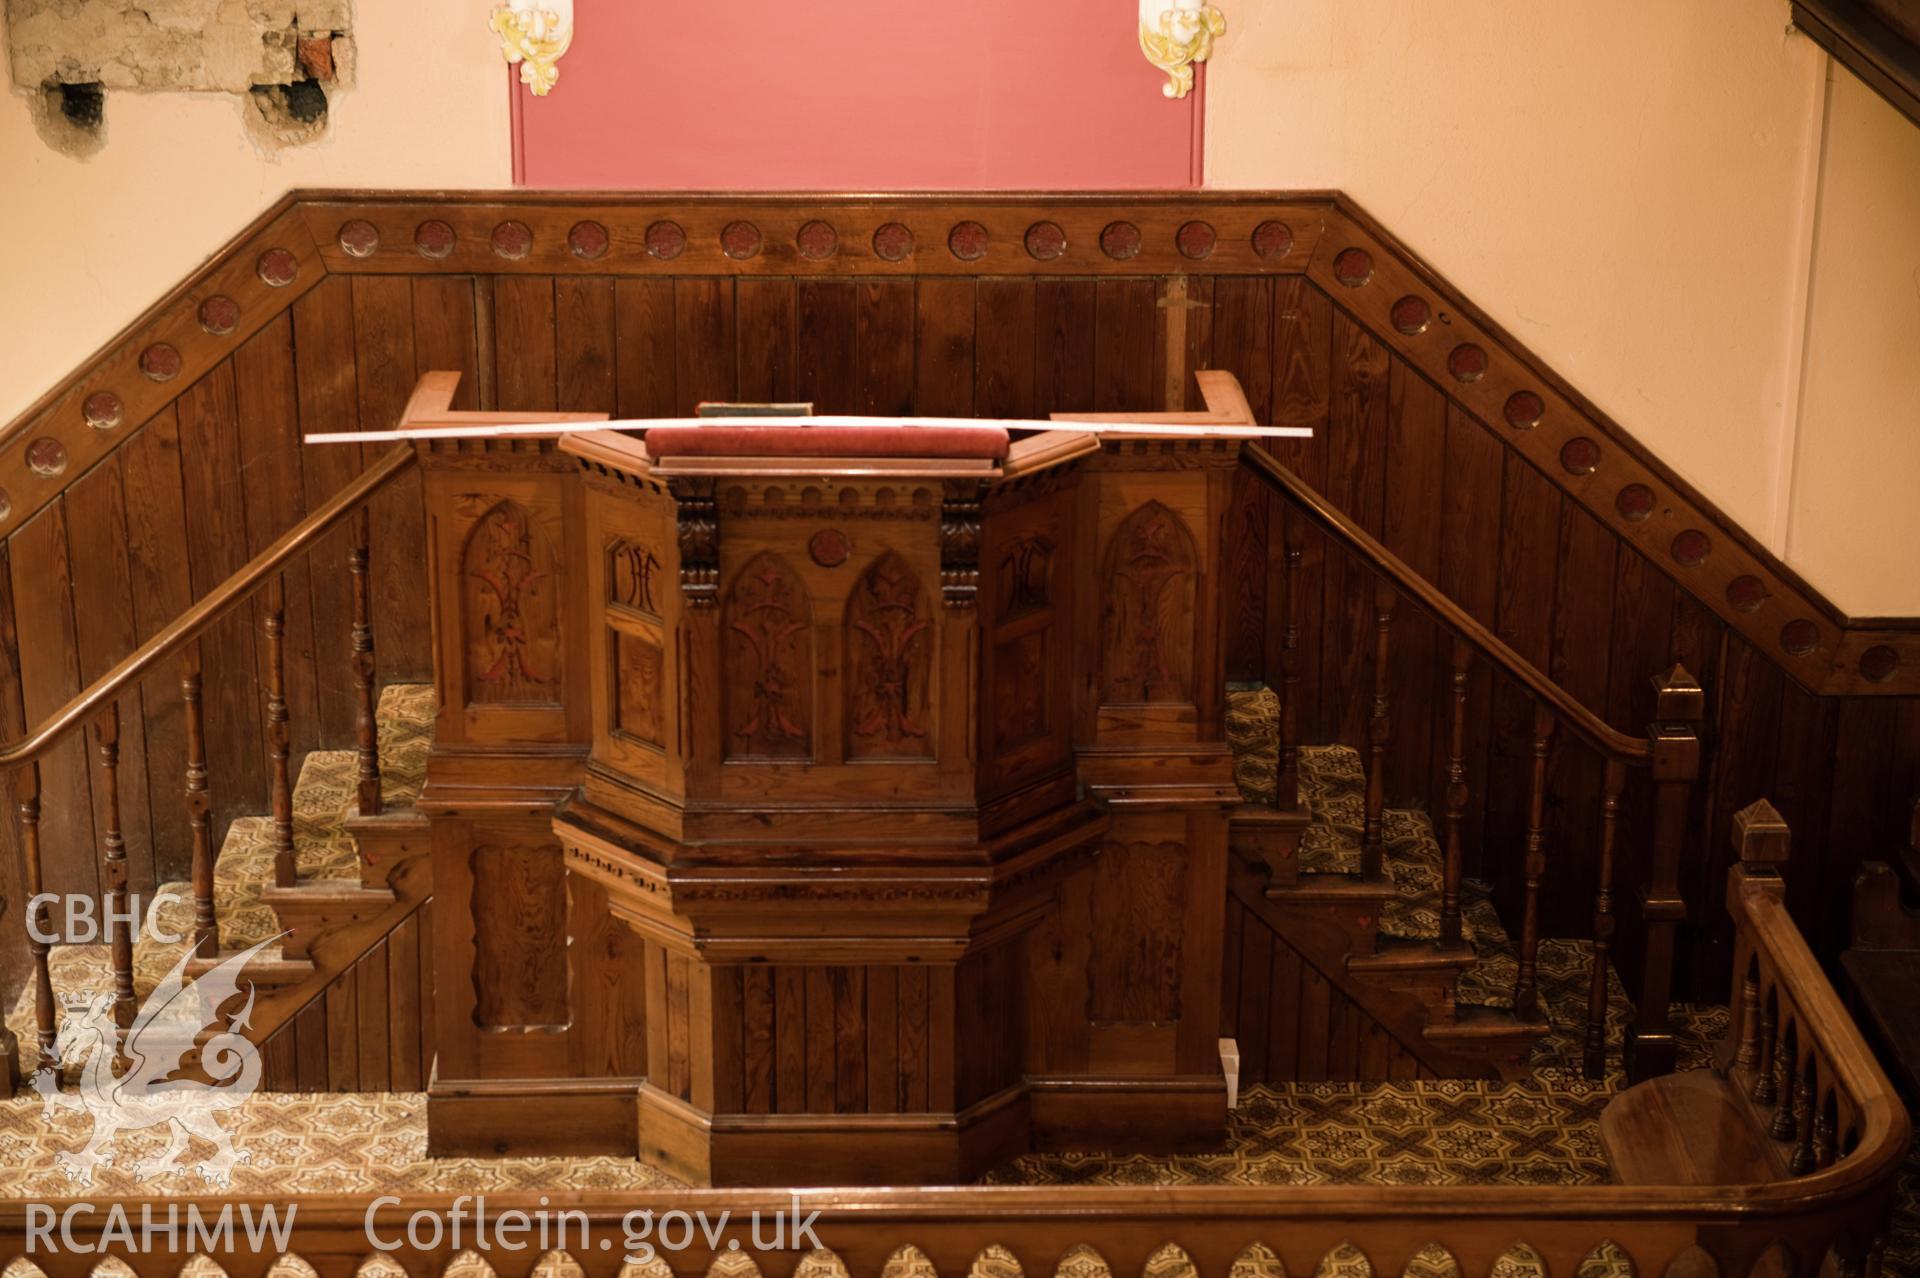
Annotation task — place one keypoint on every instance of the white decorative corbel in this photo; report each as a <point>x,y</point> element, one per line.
<point>533,35</point>
<point>1175,34</point>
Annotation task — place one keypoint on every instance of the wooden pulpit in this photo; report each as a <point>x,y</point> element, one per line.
<point>804,816</point>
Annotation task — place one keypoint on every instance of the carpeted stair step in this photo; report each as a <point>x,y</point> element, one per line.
<point>326,853</point>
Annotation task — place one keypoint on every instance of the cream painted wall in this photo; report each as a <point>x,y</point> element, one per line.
<point>1630,187</point>
<point>85,245</point>
<point>1855,505</point>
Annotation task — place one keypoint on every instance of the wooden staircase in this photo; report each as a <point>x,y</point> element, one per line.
<point>358,879</point>
<point>1375,941</point>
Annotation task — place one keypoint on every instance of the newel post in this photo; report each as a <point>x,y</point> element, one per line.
<point>1674,740</point>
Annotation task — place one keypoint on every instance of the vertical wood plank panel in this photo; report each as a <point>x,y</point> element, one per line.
<point>644,351</point>
<point>370,1037</point>
<point>1063,322</point>
<point>704,359</point>
<point>1412,527</point>
<point>526,364</point>
<point>161,590</point>
<point>584,343</point>
<point>405,1071</point>
<point>1355,483</point>
<point>384,353</point>
<point>1003,350</point>
<point>943,347</point>
<point>883,1040</point>
<point>826,345</point>
<point>50,676</point>
<point>790,1013</point>
<point>765,334</point>
<point>104,633</point>
<point>884,334</point>
<point>1125,320</point>
<point>327,389</point>
<point>757,1015</point>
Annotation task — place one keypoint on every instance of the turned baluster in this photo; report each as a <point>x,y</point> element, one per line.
<point>206,939</point>
<point>120,920</point>
<point>1674,743</point>
<point>1782,1127</point>
<point>1379,732</point>
<point>1802,1161</point>
<point>278,752</point>
<point>1764,1078</point>
<point>39,914</point>
<point>1603,920</point>
<point>1526,986</point>
<point>366,725</point>
<point>1286,790</point>
<point>1825,1138</point>
<point>1456,799</point>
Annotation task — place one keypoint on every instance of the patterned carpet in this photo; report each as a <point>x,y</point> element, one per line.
<point>1539,1132</point>
<point>323,798</point>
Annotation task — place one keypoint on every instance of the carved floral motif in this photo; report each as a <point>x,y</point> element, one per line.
<point>889,664</point>
<point>1175,34</point>
<point>534,34</point>
<point>1026,575</point>
<point>1148,610</point>
<point>512,608</point>
<point>769,662</point>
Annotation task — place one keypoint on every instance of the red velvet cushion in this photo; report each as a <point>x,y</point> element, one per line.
<point>798,440</point>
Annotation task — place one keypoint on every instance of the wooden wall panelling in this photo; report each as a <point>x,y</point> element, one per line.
<point>705,361</point>
<point>1003,381</point>
<point>1582,651</point>
<point>825,344</point>
<point>1064,346</point>
<point>584,343</point>
<point>13,721</point>
<point>1355,482</point>
<point>1642,640</point>
<point>1469,573</point>
<point>273,491</point>
<point>1412,526</point>
<point>644,348</point>
<point>608,987</point>
<point>105,632</point>
<point>1182,340</point>
<point>1528,550</point>
<point>445,333</point>
<point>1302,396</point>
<point>387,370</point>
<point>1240,340</point>
<point>765,339</point>
<point>943,347</point>
<point>50,676</point>
<point>1125,323</point>
<point>216,549</point>
<point>327,391</point>
<point>366,1031</point>
<point>161,589</point>
<point>884,333</point>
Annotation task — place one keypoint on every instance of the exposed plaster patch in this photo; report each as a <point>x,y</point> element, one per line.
<point>281,58</point>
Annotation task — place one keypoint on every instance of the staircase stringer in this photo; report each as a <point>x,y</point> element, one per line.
<point>1326,946</point>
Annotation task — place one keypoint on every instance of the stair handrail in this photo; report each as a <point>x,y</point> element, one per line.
<point>99,703</point>
<point>211,607</point>
<point>1609,740</point>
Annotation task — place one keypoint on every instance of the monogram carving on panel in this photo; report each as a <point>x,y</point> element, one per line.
<point>1026,575</point>
<point>632,571</point>
<point>637,677</point>
<point>520,930</point>
<point>510,578</point>
<point>890,642</point>
<point>1139,901</point>
<point>769,662</point>
<point>1147,620</point>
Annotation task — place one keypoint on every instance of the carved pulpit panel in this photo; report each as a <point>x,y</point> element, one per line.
<point>510,607</point>
<point>767,633</point>
<point>1148,582</point>
<point>890,648</point>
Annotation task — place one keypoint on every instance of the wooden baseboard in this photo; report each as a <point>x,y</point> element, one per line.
<point>498,1118</point>
<point>1180,1113</point>
<point>830,1149</point>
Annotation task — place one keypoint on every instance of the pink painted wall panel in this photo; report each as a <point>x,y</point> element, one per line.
<point>856,95</point>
